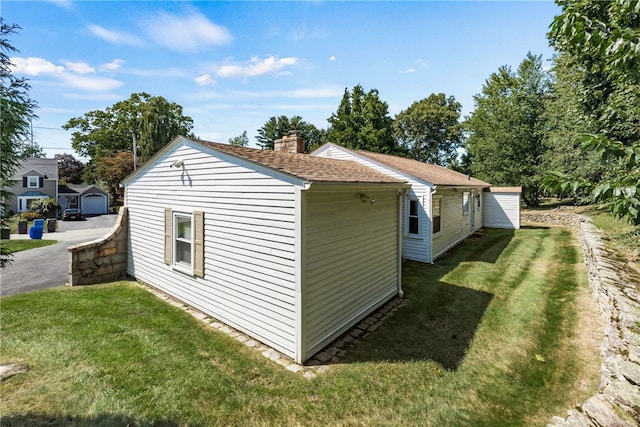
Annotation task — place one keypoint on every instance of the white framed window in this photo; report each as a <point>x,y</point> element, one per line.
<point>182,241</point>
<point>413,217</point>
<point>24,202</point>
<point>435,215</point>
<point>465,203</point>
<point>33,182</point>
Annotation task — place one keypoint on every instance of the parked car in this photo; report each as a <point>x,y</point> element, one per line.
<point>69,214</point>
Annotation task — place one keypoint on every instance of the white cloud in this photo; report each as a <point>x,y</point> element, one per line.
<point>410,70</point>
<point>112,66</point>
<point>91,84</point>
<point>191,32</point>
<point>65,4</point>
<point>114,37</point>
<point>256,67</point>
<point>205,80</point>
<point>421,63</point>
<point>332,58</point>
<point>33,66</point>
<point>80,67</point>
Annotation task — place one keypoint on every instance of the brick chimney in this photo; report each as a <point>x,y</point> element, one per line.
<point>292,143</point>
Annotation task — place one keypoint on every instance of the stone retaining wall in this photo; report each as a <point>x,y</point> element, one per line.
<point>103,259</point>
<point>617,402</point>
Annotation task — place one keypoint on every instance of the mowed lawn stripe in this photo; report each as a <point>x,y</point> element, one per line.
<point>462,351</point>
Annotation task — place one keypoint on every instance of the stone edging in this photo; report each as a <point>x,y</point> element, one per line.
<point>617,402</point>
<point>317,364</point>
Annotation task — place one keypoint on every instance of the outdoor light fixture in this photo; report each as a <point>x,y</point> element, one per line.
<point>178,164</point>
<point>365,198</point>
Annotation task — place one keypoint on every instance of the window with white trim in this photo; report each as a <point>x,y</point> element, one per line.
<point>413,217</point>
<point>33,182</point>
<point>182,241</point>
<point>435,215</point>
<point>465,203</point>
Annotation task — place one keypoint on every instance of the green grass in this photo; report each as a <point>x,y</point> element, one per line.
<point>12,246</point>
<point>466,350</point>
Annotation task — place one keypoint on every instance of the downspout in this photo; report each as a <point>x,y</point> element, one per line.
<point>433,191</point>
<point>400,234</point>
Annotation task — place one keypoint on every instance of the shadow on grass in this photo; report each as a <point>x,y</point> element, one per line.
<point>440,319</point>
<point>106,420</point>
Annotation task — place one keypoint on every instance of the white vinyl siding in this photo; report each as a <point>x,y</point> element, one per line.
<point>249,240</point>
<point>415,248</point>
<point>351,267</point>
<point>455,225</point>
<point>501,210</point>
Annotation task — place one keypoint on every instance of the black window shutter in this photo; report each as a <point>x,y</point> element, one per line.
<point>24,181</point>
<point>41,182</point>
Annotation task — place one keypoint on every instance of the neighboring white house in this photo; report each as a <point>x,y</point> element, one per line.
<point>289,248</point>
<point>442,208</point>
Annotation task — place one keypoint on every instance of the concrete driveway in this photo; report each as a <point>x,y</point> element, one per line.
<point>48,267</point>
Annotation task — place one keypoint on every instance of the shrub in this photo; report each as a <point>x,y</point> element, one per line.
<point>30,216</point>
<point>44,207</point>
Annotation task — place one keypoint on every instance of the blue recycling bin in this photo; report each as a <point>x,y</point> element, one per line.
<point>36,232</point>
<point>38,223</point>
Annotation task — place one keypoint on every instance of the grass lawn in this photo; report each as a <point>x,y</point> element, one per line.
<point>12,246</point>
<point>492,335</point>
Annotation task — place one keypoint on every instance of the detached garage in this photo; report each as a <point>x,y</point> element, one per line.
<point>501,207</point>
<point>94,201</point>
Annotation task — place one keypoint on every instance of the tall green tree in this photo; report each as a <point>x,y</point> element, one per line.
<point>152,120</point>
<point>506,128</point>
<point>16,112</point>
<point>362,121</point>
<point>70,170</point>
<point>430,129</point>
<point>277,127</point>
<point>566,120</point>
<point>602,39</point>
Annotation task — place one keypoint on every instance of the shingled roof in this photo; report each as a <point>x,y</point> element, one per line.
<point>434,174</point>
<point>310,168</point>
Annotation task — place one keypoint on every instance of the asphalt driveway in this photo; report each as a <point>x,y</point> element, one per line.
<point>48,267</point>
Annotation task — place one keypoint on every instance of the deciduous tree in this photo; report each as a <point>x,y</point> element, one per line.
<point>507,126</point>
<point>430,129</point>
<point>70,170</point>
<point>602,39</point>
<point>152,120</point>
<point>111,170</point>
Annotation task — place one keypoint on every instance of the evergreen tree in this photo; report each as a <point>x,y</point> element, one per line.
<point>362,122</point>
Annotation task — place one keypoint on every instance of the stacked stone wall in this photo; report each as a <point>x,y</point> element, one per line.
<point>617,402</point>
<point>103,259</point>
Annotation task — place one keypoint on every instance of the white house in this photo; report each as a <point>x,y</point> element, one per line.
<point>289,248</point>
<point>442,208</point>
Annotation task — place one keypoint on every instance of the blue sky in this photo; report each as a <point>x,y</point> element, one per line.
<point>232,65</point>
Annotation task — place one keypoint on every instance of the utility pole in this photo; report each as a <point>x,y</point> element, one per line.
<point>135,151</point>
